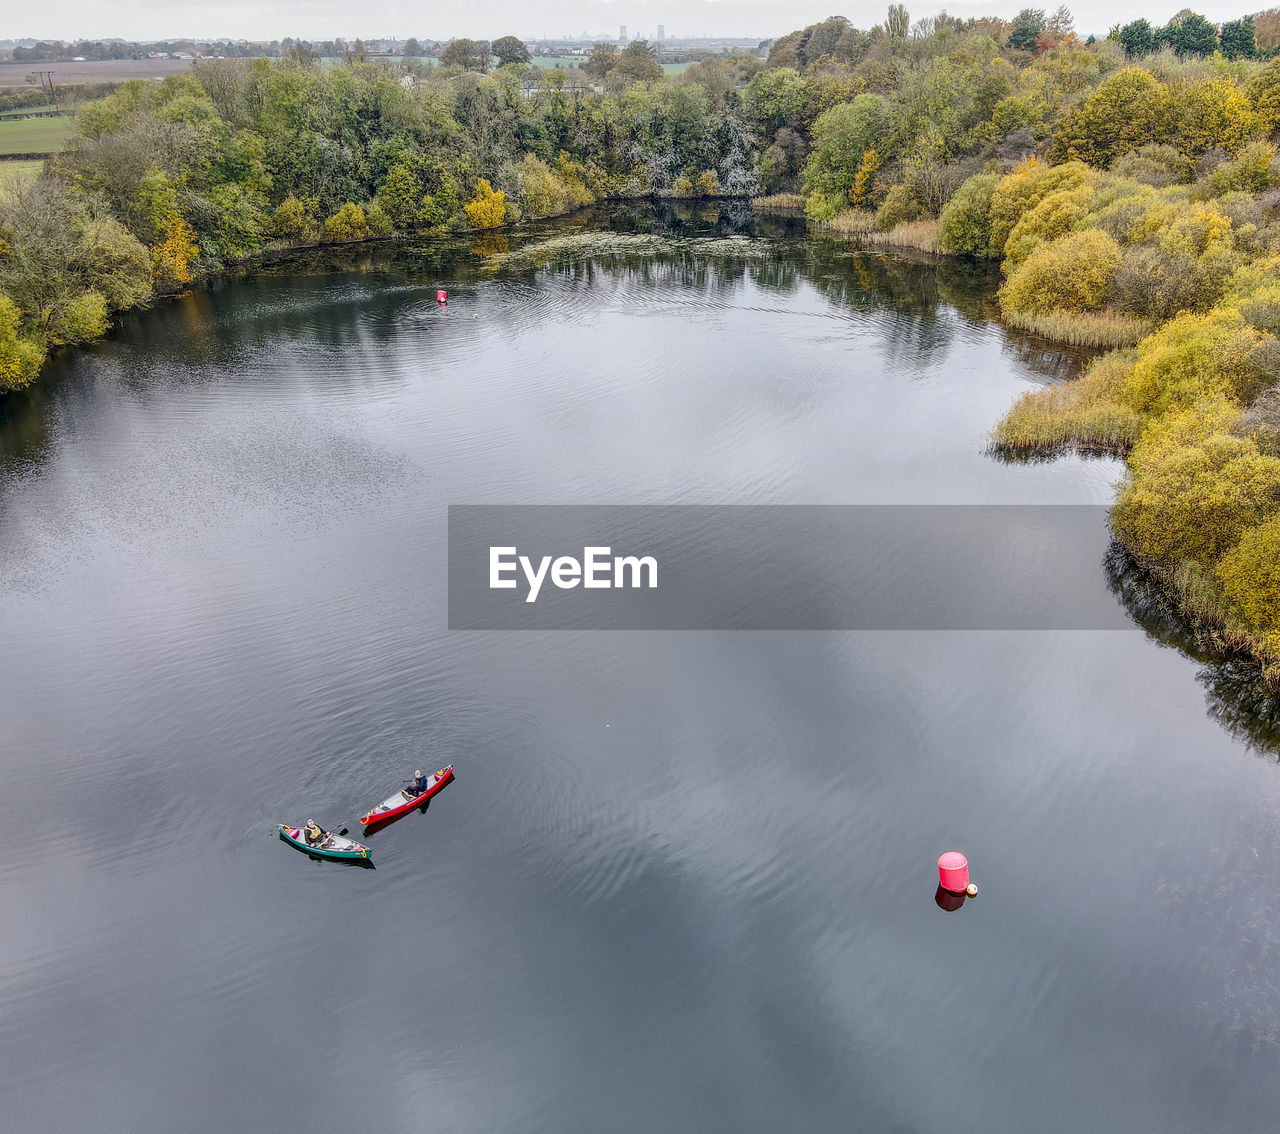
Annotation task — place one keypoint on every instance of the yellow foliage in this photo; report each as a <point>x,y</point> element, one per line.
<point>348,223</point>
<point>1191,358</point>
<point>1072,273</point>
<point>1250,576</point>
<point>1054,216</point>
<point>1017,193</point>
<point>1193,501</point>
<point>20,358</point>
<point>488,208</point>
<point>173,255</point>
<point>1197,229</point>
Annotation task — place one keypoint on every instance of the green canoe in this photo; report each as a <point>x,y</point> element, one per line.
<point>331,846</point>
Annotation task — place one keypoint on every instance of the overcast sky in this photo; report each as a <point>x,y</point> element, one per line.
<point>327,19</point>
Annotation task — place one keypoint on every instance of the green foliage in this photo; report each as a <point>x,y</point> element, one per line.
<point>81,319</point>
<point>348,223</point>
<point>295,219</point>
<point>1125,111</point>
<point>1072,273</point>
<point>469,54</point>
<point>900,205</point>
<point>1137,38</point>
<point>1239,39</point>
<point>1027,26</point>
<point>510,49</point>
<point>966,219</point>
<point>1191,34</point>
<point>841,138</point>
<point>1264,95</point>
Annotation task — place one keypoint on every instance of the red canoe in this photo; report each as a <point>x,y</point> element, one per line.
<point>402,802</point>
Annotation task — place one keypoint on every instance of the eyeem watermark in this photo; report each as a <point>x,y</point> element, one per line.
<point>598,569</point>
<point>780,567</point>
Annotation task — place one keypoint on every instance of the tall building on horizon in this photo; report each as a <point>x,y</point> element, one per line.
<point>622,33</point>
<point>662,33</point>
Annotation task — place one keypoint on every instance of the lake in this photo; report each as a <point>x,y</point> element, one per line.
<point>684,881</point>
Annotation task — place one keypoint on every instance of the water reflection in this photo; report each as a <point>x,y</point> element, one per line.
<point>1236,694</point>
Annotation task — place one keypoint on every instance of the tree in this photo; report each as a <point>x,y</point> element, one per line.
<point>897,22</point>
<point>639,62</point>
<point>510,49</point>
<point>412,48</point>
<point>1239,39</point>
<point>470,54</point>
<point>1137,38</point>
<point>604,58</point>
<point>1192,35</point>
<point>1027,25</point>
<point>965,224</point>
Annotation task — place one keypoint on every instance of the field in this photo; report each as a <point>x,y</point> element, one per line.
<point>15,172</point>
<point>34,135</point>
<point>14,75</point>
<point>22,112</point>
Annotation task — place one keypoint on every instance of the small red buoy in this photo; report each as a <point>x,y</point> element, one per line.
<point>442,296</point>
<point>953,872</point>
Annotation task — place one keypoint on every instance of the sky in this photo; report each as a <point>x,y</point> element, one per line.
<point>487,19</point>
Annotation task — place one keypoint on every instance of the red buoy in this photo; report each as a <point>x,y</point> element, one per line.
<point>442,296</point>
<point>953,872</point>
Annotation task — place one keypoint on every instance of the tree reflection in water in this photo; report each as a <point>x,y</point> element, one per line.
<point>1236,695</point>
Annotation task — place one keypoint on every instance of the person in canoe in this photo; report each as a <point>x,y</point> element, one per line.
<point>314,834</point>
<point>417,785</point>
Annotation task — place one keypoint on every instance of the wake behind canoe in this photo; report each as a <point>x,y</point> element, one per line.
<point>403,801</point>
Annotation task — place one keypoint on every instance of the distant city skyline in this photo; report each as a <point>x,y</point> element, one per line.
<point>155,20</point>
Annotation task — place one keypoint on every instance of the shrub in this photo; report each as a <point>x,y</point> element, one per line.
<point>682,186</point>
<point>79,320</point>
<point>1250,576</point>
<point>1254,171</point>
<point>1072,273</point>
<point>1154,164</point>
<point>1125,111</point>
<point>20,358</point>
<point>965,224</point>
<point>488,208</point>
<point>295,219</point>
<point>1193,499</point>
<point>172,257</point>
<point>348,223</point>
<point>708,183</point>
<point>900,205</point>
<point>1191,358</point>
<point>1156,283</point>
<point>1055,216</point>
<point>1019,192</point>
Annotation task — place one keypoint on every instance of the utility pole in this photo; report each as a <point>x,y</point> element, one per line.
<point>45,79</point>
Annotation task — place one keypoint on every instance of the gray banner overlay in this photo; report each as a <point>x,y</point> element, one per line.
<point>781,567</point>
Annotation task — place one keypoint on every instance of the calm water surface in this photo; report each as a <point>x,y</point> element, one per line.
<point>684,882</point>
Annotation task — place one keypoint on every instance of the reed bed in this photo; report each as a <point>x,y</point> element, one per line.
<point>779,203</point>
<point>922,235</point>
<point>850,224</point>
<point>1108,329</point>
<point>1088,413</point>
